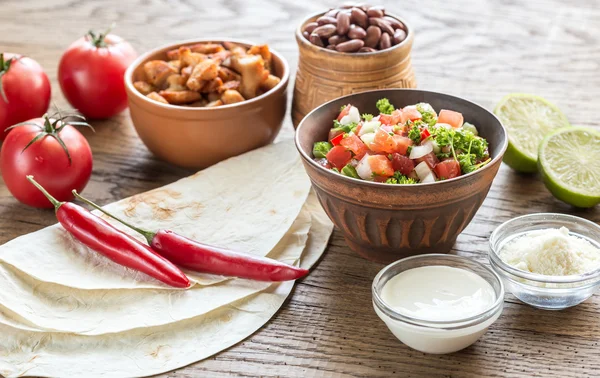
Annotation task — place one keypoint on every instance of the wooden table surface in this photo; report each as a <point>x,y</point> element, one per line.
<point>481,50</point>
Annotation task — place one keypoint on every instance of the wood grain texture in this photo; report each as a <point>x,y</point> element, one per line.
<point>477,49</point>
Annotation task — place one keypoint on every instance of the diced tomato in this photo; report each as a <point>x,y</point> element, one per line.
<point>333,133</point>
<point>344,112</point>
<point>381,166</point>
<point>410,113</point>
<point>447,169</point>
<point>452,118</point>
<point>385,119</point>
<point>338,138</point>
<point>402,163</point>
<point>354,144</point>
<point>430,159</point>
<point>357,131</point>
<point>387,128</point>
<point>401,144</point>
<point>425,134</point>
<point>383,142</point>
<point>339,156</point>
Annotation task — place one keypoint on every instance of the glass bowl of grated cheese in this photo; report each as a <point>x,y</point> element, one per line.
<point>547,260</point>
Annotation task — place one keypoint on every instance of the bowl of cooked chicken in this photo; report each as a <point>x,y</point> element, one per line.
<point>198,102</point>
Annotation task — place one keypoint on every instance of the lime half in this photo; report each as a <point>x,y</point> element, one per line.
<point>527,118</point>
<point>569,161</point>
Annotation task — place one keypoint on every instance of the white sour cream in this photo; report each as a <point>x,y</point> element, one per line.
<point>438,293</point>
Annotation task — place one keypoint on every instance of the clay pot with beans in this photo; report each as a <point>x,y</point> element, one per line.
<point>348,50</point>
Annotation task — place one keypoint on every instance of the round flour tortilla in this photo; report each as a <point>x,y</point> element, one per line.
<point>153,350</point>
<point>246,203</point>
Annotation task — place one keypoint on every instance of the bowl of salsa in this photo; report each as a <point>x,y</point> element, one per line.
<point>401,172</point>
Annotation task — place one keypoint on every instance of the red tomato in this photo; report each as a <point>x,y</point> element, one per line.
<point>452,118</point>
<point>402,163</point>
<point>430,159</point>
<point>354,144</point>
<point>381,166</point>
<point>383,142</point>
<point>338,138</point>
<point>46,160</point>
<point>425,134</point>
<point>401,144</point>
<point>410,113</point>
<point>391,119</point>
<point>27,90</point>
<point>91,74</point>
<point>344,112</point>
<point>338,156</point>
<point>447,169</point>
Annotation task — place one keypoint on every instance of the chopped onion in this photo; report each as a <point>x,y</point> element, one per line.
<point>423,170</point>
<point>368,139</point>
<point>369,127</point>
<point>364,168</point>
<point>430,178</point>
<point>434,146</point>
<point>420,151</point>
<point>352,116</point>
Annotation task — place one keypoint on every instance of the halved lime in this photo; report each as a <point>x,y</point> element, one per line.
<point>569,161</point>
<point>527,118</point>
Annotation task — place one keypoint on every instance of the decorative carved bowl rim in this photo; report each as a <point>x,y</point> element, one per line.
<point>372,184</point>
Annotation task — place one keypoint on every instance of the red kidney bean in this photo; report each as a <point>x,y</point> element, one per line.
<point>396,24</point>
<point>337,39</point>
<point>382,24</point>
<point>331,13</point>
<point>324,20</point>
<point>367,49</point>
<point>306,34</point>
<point>330,47</point>
<point>399,36</point>
<point>310,27</point>
<point>363,6</point>
<point>377,11</point>
<point>350,46</point>
<point>384,41</point>
<point>343,23</point>
<point>325,31</point>
<point>359,17</point>
<point>373,35</point>
<point>315,39</point>
<point>356,32</point>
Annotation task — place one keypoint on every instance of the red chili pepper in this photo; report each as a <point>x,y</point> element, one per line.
<point>121,248</point>
<point>336,141</point>
<point>425,134</point>
<point>209,259</point>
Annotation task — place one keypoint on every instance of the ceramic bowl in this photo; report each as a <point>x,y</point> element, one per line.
<point>324,75</point>
<point>200,137</point>
<point>384,222</point>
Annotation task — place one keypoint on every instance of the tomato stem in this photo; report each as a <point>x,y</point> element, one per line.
<point>53,200</point>
<point>98,40</point>
<point>149,235</point>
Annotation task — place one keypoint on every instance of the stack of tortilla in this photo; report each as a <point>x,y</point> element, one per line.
<point>66,310</point>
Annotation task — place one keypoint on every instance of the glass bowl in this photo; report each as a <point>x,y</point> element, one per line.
<point>545,292</point>
<point>437,337</point>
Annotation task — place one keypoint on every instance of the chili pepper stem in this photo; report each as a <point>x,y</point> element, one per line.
<point>53,200</point>
<point>149,235</point>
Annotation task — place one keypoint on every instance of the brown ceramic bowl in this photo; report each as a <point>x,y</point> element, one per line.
<point>200,137</point>
<point>385,222</point>
<point>324,75</point>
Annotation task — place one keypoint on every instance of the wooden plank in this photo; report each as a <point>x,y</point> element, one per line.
<point>477,49</point>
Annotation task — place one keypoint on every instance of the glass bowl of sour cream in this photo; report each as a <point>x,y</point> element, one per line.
<point>547,260</point>
<point>438,303</point>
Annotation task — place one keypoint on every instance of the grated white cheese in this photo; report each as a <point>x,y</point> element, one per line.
<point>551,252</point>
